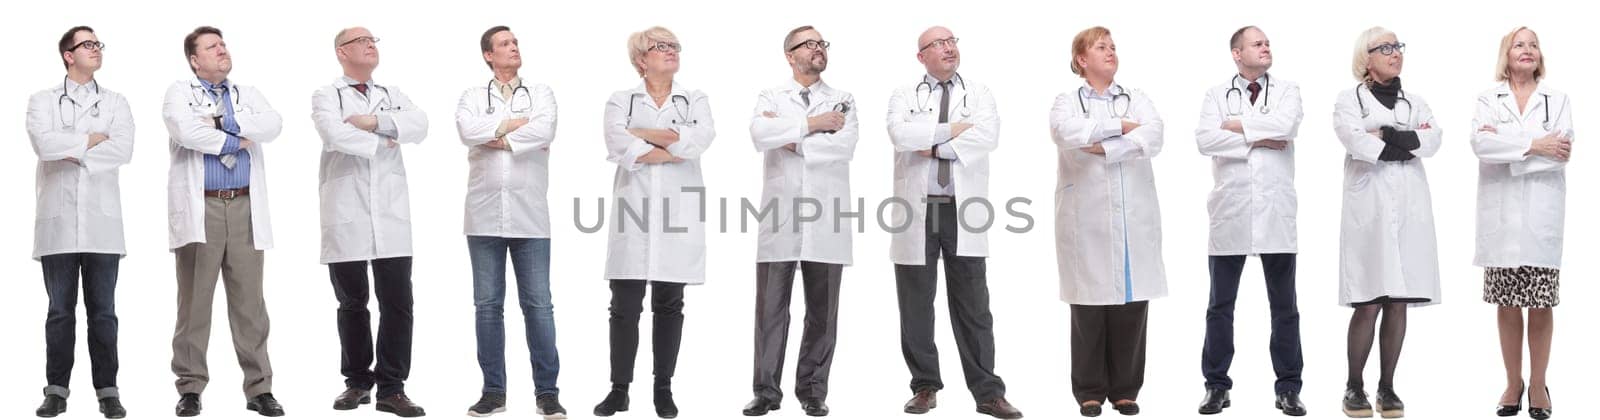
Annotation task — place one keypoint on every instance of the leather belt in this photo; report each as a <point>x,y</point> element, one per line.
<point>228,194</point>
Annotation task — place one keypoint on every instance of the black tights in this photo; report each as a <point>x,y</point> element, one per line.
<point>1362,324</point>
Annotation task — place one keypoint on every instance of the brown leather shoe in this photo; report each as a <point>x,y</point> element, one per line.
<point>922,402</point>
<point>400,405</point>
<point>1000,409</point>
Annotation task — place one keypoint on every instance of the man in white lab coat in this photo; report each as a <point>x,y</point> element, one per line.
<point>1247,126</point>
<point>807,131</point>
<point>943,129</point>
<point>507,125</point>
<point>366,219</point>
<point>82,134</point>
<point>218,219</point>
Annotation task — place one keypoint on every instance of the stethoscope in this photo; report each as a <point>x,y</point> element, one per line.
<point>489,98</point>
<point>94,110</point>
<point>679,103</point>
<point>1235,96</point>
<point>383,105</point>
<point>925,95</point>
<point>1399,100</point>
<point>1122,98</point>
<point>210,104</point>
<point>1506,119</point>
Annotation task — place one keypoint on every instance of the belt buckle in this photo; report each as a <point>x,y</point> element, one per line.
<point>227,194</point>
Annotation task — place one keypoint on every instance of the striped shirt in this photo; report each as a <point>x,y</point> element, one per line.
<point>219,177</point>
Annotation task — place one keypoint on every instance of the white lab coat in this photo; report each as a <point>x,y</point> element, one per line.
<point>185,104</point>
<point>1108,221</point>
<point>1521,198</point>
<point>818,169</point>
<point>506,190</point>
<point>1253,203</point>
<point>1387,245</point>
<point>913,126</point>
<point>366,205</point>
<point>79,205</point>
<point>671,248</point>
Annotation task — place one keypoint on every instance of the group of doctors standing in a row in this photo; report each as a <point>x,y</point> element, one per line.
<point>943,129</point>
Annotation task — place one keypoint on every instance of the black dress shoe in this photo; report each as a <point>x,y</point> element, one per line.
<point>1509,410</point>
<point>400,405</point>
<point>1289,403</point>
<point>265,405</point>
<point>760,406</point>
<point>814,408</point>
<point>1089,410</point>
<point>1537,413</point>
<point>352,398</point>
<point>1389,404</point>
<point>1128,409</point>
<point>1216,400</point>
<point>1355,403</point>
<point>665,408</point>
<point>53,406</point>
<point>614,402</point>
<point>188,405</point>
<point>111,407</point>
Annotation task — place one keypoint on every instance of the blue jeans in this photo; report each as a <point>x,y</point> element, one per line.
<point>530,258</point>
<point>99,274</point>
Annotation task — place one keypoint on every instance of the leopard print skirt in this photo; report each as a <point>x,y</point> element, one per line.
<point>1522,287</point>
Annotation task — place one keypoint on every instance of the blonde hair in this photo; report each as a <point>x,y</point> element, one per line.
<point>1361,58</point>
<point>1082,42</point>
<point>1503,66</point>
<point>640,42</point>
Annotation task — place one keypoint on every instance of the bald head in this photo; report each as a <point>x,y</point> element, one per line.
<point>357,51</point>
<point>932,34</point>
<point>936,49</point>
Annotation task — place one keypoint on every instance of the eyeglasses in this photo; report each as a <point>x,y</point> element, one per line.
<point>811,45</point>
<point>941,43</point>
<point>666,47</point>
<point>365,40</point>
<point>92,45</point>
<point>1389,49</point>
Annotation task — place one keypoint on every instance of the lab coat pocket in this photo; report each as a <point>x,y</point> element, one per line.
<point>399,198</point>
<point>341,193</point>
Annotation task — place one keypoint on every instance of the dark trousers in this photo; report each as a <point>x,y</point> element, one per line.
<point>1108,347</point>
<point>968,290</point>
<point>61,274</point>
<point>391,279</point>
<point>774,281</point>
<point>627,302</point>
<point>1217,355</point>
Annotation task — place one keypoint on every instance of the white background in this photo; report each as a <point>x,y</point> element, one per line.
<point>1171,50</point>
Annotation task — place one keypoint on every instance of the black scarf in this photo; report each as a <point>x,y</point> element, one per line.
<point>1386,94</point>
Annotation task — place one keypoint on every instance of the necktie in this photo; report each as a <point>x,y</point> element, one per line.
<point>219,92</point>
<point>944,117</point>
<point>1254,88</point>
<point>805,96</point>
<point>360,87</point>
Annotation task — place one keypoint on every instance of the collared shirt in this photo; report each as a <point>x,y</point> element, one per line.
<point>386,126</point>
<point>942,132</point>
<point>219,177</point>
<point>508,91</point>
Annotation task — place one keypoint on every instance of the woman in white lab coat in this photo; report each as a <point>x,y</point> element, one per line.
<point>1523,138</point>
<point>655,134</point>
<point>1108,224</point>
<point>1388,258</point>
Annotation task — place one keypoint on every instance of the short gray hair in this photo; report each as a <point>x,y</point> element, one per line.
<point>1360,59</point>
